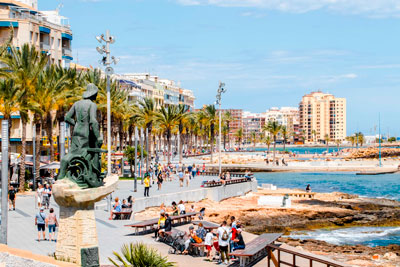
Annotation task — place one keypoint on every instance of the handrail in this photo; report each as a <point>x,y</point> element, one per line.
<point>295,253</point>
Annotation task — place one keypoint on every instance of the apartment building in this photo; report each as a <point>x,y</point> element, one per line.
<point>48,31</point>
<point>322,114</point>
<point>286,116</point>
<point>164,92</point>
<point>252,123</point>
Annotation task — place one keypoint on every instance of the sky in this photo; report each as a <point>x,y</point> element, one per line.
<point>269,53</point>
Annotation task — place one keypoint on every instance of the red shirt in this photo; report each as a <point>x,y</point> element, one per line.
<point>234,231</point>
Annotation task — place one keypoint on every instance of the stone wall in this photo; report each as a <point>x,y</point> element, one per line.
<point>214,193</point>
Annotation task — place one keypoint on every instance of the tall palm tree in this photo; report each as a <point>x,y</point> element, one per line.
<point>273,128</point>
<point>182,118</point>
<point>225,132</point>
<point>239,136</point>
<point>24,66</point>
<point>168,119</point>
<point>314,133</point>
<point>268,142</point>
<point>253,137</point>
<point>284,133</point>
<point>228,118</point>
<point>211,116</point>
<point>147,115</point>
<point>327,140</point>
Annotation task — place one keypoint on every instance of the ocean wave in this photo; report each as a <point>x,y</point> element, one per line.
<point>354,235</point>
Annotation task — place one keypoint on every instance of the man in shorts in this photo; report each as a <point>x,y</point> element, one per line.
<point>40,222</point>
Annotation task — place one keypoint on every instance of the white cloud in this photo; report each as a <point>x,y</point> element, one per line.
<point>370,8</point>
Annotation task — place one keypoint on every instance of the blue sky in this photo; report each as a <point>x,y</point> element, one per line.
<point>268,52</point>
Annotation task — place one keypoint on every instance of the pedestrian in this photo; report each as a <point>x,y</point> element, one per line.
<point>146,186</point>
<point>46,196</point>
<point>190,168</point>
<point>180,175</point>
<point>159,180</point>
<point>12,194</point>
<point>208,242</point>
<point>186,178</point>
<point>52,224</point>
<point>223,242</point>
<point>40,222</point>
<point>181,207</point>
<point>204,168</point>
<point>39,195</point>
<point>194,170</point>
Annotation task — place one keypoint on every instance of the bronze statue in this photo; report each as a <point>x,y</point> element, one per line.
<point>82,164</point>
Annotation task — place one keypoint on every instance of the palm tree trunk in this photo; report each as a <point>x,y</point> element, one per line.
<point>23,156</point>
<point>284,144</point>
<point>169,147</point>
<point>181,142</point>
<point>38,149</point>
<point>50,137</point>
<point>212,149</point>
<point>274,146</point>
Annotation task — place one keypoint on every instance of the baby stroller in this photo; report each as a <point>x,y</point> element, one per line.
<point>177,243</point>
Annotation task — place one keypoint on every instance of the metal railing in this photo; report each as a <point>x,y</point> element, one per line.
<point>294,254</point>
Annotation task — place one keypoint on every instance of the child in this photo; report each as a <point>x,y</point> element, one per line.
<point>146,186</point>
<point>192,209</point>
<point>208,242</point>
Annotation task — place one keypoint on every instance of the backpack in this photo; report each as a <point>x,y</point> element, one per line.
<point>225,236</point>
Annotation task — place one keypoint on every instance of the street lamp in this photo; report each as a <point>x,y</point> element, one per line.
<point>106,61</point>
<point>221,89</point>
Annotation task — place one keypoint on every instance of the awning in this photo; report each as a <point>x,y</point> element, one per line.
<point>51,166</point>
<point>44,29</point>
<point>9,23</point>
<point>66,36</point>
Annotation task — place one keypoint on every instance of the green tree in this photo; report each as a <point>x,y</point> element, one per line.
<point>147,115</point>
<point>268,141</point>
<point>228,118</point>
<point>327,140</point>
<point>139,255</point>
<point>273,128</point>
<point>239,136</point>
<point>284,133</point>
<point>211,118</point>
<point>167,120</point>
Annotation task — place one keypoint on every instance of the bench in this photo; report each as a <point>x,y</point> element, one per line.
<point>124,214</point>
<point>178,219</point>
<point>207,225</point>
<point>226,182</point>
<point>256,249</point>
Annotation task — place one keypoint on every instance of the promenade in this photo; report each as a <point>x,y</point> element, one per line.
<point>22,232</point>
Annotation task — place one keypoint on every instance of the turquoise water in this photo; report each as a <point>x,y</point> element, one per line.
<point>375,186</point>
<point>299,150</point>
<point>367,236</point>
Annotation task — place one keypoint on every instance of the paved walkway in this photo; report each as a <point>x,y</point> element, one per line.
<point>22,231</point>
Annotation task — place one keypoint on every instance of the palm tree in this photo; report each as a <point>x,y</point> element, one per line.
<point>239,136</point>
<point>268,141</point>
<point>338,142</point>
<point>147,115</point>
<point>352,140</point>
<point>211,117</point>
<point>327,139</point>
<point>273,128</point>
<point>140,255</point>
<point>225,132</point>
<point>284,135</point>
<point>182,112</point>
<point>314,133</point>
<point>253,137</point>
<point>228,118</point>
<point>24,66</point>
<point>359,139</point>
<point>167,119</point>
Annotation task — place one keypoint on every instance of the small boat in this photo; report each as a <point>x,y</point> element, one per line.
<point>374,172</point>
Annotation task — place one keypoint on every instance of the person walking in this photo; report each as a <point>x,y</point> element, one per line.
<point>159,180</point>
<point>194,170</point>
<point>39,195</point>
<point>186,178</point>
<point>52,224</point>
<point>223,242</point>
<point>146,186</point>
<point>12,194</point>
<point>40,222</point>
<point>180,175</point>
<point>46,196</point>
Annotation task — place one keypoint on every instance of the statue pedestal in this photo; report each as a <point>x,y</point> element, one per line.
<point>77,236</point>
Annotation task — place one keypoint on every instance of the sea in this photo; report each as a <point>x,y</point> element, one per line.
<point>372,186</point>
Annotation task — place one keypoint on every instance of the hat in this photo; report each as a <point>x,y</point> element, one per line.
<point>191,227</point>
<point>91,90</point>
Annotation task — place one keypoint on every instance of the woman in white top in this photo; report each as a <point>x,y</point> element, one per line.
<point>181,207</point>
<point>39,195</point>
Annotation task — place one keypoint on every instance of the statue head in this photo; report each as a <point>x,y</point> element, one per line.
<point>91,91</point>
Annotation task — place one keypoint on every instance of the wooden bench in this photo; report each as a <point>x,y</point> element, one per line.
<point>207,225</point>
<point>124,214</point>
<point>256,249</point>
<point>226,182</point>
<point>179,219</point>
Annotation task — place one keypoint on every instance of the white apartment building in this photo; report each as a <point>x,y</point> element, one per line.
<point>48,31</point>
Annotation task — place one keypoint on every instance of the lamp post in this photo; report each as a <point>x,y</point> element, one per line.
<point>4,181</point>
<point>221,89</point>
<point>106,61</point>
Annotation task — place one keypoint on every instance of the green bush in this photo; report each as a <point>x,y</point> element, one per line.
<point>140,255</point>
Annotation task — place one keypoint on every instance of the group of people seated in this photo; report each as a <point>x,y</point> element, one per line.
<point>118,206</point>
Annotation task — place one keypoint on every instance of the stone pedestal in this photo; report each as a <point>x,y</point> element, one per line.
<point>77,236</point>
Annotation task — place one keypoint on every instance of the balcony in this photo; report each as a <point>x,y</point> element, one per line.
<point>67,52</point>
<point>44,46</point>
